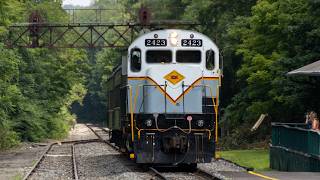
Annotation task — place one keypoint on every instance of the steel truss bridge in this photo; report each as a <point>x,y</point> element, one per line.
<point>84,35</point>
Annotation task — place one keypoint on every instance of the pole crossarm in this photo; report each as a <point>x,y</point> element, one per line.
<point>84,35</point>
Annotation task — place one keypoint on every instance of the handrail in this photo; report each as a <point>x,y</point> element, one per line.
<point>296,138</point>
<point>183,130</point>
<point>286,125</point>
<point>131,113</point>
<point>216,113</point>
<point>281,123</point>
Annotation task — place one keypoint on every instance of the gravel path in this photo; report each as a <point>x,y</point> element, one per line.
<point>57,164</point>
<point>80,132</point>
<point>15,163</point>
<point>100,161</point>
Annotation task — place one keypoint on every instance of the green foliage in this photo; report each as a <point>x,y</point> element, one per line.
<point>10,11</point>
<point>38,86</point>
<point>106,60</point>
<point>10,138</point>
<point>10,95</point>
<point>260,42</point>
<point>274,40</point>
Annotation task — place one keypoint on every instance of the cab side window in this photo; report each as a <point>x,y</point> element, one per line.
<point>210,59</point>
<point>135,60</point>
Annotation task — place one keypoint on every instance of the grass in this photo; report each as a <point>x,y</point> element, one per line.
<point>257,159</point>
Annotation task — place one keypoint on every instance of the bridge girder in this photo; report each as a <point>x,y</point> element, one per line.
<point>84,35</point>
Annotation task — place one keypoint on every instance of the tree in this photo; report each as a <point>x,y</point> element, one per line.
<point>276,38</point>
<point>37,85</point>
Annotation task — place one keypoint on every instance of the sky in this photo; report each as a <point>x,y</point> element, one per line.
<point>77,2</point>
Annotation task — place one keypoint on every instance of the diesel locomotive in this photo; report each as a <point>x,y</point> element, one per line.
<point>163,99</point>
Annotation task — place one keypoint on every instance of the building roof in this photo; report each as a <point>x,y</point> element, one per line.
<point>312,69</point>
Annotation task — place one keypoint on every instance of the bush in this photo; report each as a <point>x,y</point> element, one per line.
<point>8,138</point>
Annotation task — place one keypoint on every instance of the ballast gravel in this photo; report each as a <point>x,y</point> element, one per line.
<point>220,165</point>
<point>182,176</point>
<point>100,161</point>
<point>57,164</point>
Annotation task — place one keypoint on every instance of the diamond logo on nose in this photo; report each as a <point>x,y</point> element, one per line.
<point>174,77</point>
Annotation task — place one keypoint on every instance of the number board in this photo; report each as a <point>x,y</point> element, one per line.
<point>156,42</point>
<point>191,42</point>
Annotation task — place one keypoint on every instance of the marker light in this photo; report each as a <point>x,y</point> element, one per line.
<point>173,41</point>
<point>189,118</point>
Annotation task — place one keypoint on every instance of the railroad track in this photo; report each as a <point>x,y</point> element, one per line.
<point>60,159</point>
<point>64,150</point>
<point>102,133</point>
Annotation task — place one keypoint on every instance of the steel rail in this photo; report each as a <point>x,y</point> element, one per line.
<point>157,173</point>
<point>198,172</point>
<point>206,174</point>
<point>30,172</point>
<point>49,147</point>
<point>105,141</point>
<point>74,163</point>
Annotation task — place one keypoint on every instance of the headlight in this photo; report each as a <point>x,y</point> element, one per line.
<point>148,122</point>
<point>173,36</point>
<point>200,123</point>
<point>173,41</point>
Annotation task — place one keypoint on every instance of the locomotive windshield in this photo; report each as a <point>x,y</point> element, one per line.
<point>210,59</point>
<point>135,60</point>
<point>189,56</point>
<point>159,56</point>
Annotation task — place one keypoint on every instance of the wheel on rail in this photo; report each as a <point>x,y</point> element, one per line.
<point>144,167</point>
<point>188,167</point>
